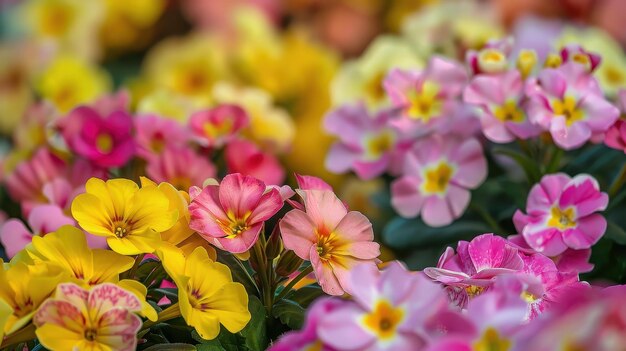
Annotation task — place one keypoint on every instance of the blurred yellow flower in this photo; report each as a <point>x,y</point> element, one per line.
<point>167,104</point>
<point>127,21</point>
<point>131,218</point>
<point>69,81</point>
<point>15,91</point>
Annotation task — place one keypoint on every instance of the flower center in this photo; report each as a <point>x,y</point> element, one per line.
<point>91,334</point>
<point>436,178</point>
<point>214,130</point>
<point>120,229</point>
<point>491,340</point>
<point>491,60</point>
<point>384,319</point>
<point>325,245</point>
<point>374,87</point>
<point>474,290</point>
<point>104,143</point>
<point>55,19</point>
<point>567,108</point>
<point>526,61</point>
<point>582,59</point>
<point>425,104</point>
<point>562,219</point>
<point>553,61</point>
<point>528,297</point>
<point>509,112</point>
<point>377,145</point>
<point>613,75</point>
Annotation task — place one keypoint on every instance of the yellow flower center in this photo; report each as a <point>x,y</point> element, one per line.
<point>104,143</point>
<point>436,178</point>
<point>55,19</point>
<point>553,61</point>
<point>473,290</point>
<point>614,75</point>
<point>492,60</point>
<point>491,340</point>
<point>528,297</point>
<point>377,145</point>
<point>215,130</point>
<point>235,226</point>
<point>91,334</point>
<point>425,104</point>
<point>192,80</point>
<point>120,229</point>
<point>509,112</point>
<point>374,87</point>
<point>562,219</point>
<point>582,59</point>
<point>325,245</point>
<point>384,320</point>
<point>526,61</point>
<point>316,346</point>
<point>567,108</point>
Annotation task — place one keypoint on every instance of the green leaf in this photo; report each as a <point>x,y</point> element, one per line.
<point>615,233</point>
<point>402,233</point>
<point>255,332</point>
<point>305,295</point>
<point>166,347</point>
<point>289,313</point>
<point>225,341</point>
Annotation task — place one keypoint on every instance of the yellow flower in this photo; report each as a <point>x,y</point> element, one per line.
<point>126,21</point>
<point>207,295</point>
<point>69,81</point>
<point>15,92</point>
<point>167,104</point>
<point>131,218</point>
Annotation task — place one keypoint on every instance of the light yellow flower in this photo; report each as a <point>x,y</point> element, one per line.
<point>167,104</point>
<point>131,218</point>
<point>126,22</point>
<point>15,91</point>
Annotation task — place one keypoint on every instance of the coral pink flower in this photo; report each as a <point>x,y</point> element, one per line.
<point>245,157</point>
<point>561,214</point>
<point>438,174</point>
<point>501,98</point>
<point>569,261</point>
<point>616,135</point>
<point>367,144</point>
<point>472,269</point>
<point>329,236</point>
<point>427,99</point>
<point>104,139</point>
<point>392,310</point>
<point>231,215</point>
<point>568,103</point>
<point>155,133</point>
<point>180,166</point>
<point>215,127</point>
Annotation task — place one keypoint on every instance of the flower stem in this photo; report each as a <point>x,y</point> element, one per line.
<point>617,183</point>
<point>294,281</point>
<point>259,251</point>
<point>487,217</point>
<point>25,334</point>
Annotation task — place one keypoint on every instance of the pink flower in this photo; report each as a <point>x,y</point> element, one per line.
<point>568,261</point>
<point>180,166</point>
<point>329,236</point>
<point>501,98</point>
<point>493,58</point>
<point>427,99</point>
<point>393,310</point>
<point>367,143</point>
<point>578,54</point>
<point>231,215</point>
<point>154,134</point>
<point>215,127</point>
<point>471,270</point>
<point>561,214</point>
<point>616,135</point>
<point>104,139</point>
<point>245,157</point>
<point>568,103</point>
<point>438,174</point>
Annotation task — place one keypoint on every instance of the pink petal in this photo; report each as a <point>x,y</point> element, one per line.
<point>437,212</point>
<point>324,208</point>
<point>240,194</point>
<point>242,242</point>
<point>343,322</point>
<point>406,198</point>
<point>589,230</point>
<point>472,164</point>
<point>324,274</point>
<point>584,193</point>
<point>298,232</point>
<point>490,251</point>
<point>270,203</point>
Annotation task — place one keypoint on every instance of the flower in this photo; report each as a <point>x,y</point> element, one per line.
<point>231,215</point>
<point>154,134</point>
<point>367,143</point>
<point>181,166</point>
<point>130,218</point>
<point>616,135</point>
<point>569,261</point>
<point>501,98</point>
<point>560,214</point>
<point>245,157</point>
<point>104,139</point>
<point>438,174</point>
<point>97,319</point>
<point>126,24</point>
<point>216,126</point>
<point>568,102</point>
<point>206,293</point>
<point>329,236</point>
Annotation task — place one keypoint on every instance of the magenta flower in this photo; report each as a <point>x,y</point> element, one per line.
<point>154,134</point>
<point>231,215</point>
<point>561,214</point>
<point>438,174</point>
<point>568,261</point>
<point>367,143</point>
<point>180,166</point>
<point>104,139</point>
<point>215,127</point>
<point>501,98</point>
<point>568,103</point>
<point>616,135</point>
<point>245,157</point>
<point>329,236</point>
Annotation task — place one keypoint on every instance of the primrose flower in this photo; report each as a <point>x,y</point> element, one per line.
<point>102,318</point>
<point>406,317</point>
<point>470,270</point>
<point>578,54</point>
<point>333,239</point>
<point>616,135</point>
<point>493,58</point>
<point>569,261</point>
<point>206,293</point>
<point>231,215</point>
<point>154,134</point>
<point>367,143</point>
<point>216,126</point>
<point>501,98</point>
<point>438,174</point>
<point>561,214</point>
<point>130,218</point>
<point>245,157</point>
<point>181,166</point>
<point>568,102</point>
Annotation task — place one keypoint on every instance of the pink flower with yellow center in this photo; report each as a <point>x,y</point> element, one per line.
<point>329,236</point>
<point>215,127</point>
<point>155,134</point>
<point>438,174</point>
<point>102,318</point>
<point>561,214</point>
<point>231,215</point>
<point>180,166</point>
<point>493,58</point>
<point>245,157</point>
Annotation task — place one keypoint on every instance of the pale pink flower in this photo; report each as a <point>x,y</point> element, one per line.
<point>231,215</point>
<point>493,58</point>
<point>217,126</point>
<point>438,175</point>
<point>329,236</point>
<point>154,134</point>
<point>180,166</point>
<point>568,102</point>
<point>243,156</point>
<point>561,214</point>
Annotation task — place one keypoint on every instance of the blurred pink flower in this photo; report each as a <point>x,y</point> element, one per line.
<point>329,236</point>
<point>616,135</point>
<point>217,126</point>
<point>438,174</point>
<point>568,102</point>
<point>245,157</point>
<point>493,58</point>
<point>561,214</point>
<point>180,166</point>
<point>578,54</point>
<point>568,261</point>
<point>231,215</point>
<point>154,134</point>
